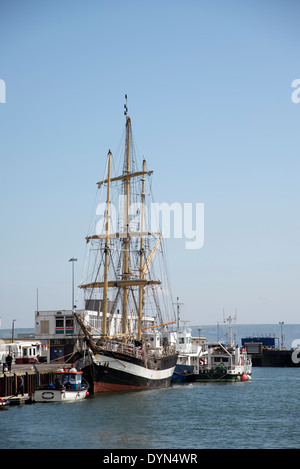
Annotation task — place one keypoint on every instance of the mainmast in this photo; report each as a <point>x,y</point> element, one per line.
<point>126,239</point>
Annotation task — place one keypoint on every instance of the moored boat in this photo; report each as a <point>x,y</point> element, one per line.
<point>224,363</point>
<point>221,362</point>
<point>68,386</point>
<point>131,351</point>
<point>4,403</point>
<point>188,353</point>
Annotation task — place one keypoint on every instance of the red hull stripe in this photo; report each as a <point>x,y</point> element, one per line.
<point>110,387</point>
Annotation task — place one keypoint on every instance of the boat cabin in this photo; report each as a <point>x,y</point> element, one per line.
<point>67,379</point>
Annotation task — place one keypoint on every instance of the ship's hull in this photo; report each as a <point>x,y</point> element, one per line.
<point>183,374</point>
<point>217,376</point>
<point>58,395</point>
<point>115,372</point>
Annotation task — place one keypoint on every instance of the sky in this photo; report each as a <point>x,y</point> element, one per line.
<point>209,86</point>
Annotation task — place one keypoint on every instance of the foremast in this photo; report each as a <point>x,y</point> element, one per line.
<point>105,287</point>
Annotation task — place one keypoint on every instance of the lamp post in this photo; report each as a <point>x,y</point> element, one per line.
<point>281,323</point>
<point>73,259</point>
<point>13,331</point>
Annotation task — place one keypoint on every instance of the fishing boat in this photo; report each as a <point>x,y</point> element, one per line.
<point>220,362</point>
<point>188,353</point>
<point>68,386</point>
<point>188,357</point>
<point>131,351</point>
<point>224,362</point>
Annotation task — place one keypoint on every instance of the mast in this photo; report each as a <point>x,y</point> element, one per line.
<point>124,280</point>
<point>105,287</point>
<point>141,289</point>
<point>126,239</point>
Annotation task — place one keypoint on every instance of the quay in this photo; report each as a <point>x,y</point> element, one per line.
<point>33,375</point>
<point>275,358</point>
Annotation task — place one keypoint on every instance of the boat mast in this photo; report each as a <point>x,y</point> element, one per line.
<point>105,287</point>
<point>141,288</point>
<point>126,240</point>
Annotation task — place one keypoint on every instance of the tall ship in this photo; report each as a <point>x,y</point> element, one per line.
<point>127,346</point>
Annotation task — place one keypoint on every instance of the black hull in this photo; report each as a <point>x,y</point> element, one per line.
<point>116,372</point>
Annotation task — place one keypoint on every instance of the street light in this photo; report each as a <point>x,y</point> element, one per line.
<point>13,330</point>
<point>281,323</point>
<point>73,259</point>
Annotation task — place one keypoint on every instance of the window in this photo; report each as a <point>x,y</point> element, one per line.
<point>64,325</point>
<point>69,326</point>
<point>59,326</point>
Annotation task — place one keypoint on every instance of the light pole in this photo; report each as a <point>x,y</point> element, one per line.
<point>73,259</point>
<point>13,331</point>
<point>281,323</point>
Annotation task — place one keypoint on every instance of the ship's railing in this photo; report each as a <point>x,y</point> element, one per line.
<point>128,349</point>
<point>136,351</point>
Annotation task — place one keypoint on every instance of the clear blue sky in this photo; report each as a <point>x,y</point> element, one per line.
<point>209,94</point>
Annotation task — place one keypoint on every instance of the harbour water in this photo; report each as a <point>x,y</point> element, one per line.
<point>261,414</point>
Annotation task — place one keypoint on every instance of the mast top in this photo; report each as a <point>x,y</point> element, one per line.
<point>125,106</point>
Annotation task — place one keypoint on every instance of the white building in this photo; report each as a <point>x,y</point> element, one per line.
<point>60,333</point>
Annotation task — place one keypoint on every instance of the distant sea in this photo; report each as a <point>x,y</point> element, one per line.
<point>291,332</point>
<point>7,333</point>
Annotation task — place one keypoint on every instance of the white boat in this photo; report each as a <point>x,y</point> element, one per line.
<point>68,385</point>
<point>221,362</point>
<point>210,361</point>
<point>224,363</point>
<point>188,353</point>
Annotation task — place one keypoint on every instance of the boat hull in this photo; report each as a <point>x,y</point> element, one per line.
<point>58,395</point>
<point>217,376</point>
<point>183,374</point>
<point>4,403</point>
<point>120,373</point>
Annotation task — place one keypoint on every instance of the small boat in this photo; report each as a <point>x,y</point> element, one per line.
<point>224,363</point>
<point>188,354</point>
<point>68,386</point>
<point>221,362</point>
<point>4,403</point>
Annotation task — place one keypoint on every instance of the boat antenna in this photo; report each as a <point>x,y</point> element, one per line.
<point>178,311</point>
<point>125,106</point>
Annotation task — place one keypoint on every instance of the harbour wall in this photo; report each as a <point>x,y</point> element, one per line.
<point>32,377</point>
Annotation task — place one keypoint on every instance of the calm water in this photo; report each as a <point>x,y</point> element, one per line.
<point>263,413</point>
